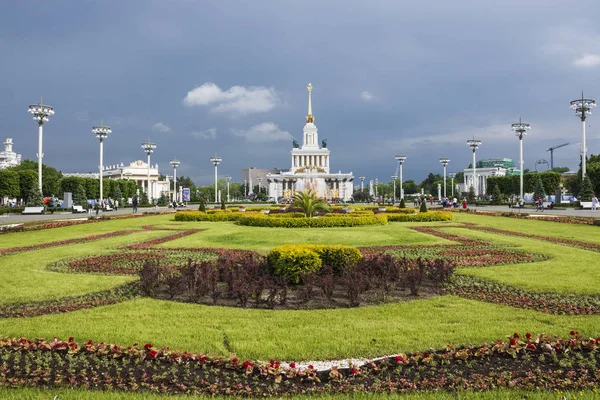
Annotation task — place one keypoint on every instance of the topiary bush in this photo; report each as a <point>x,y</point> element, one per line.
<point>402,204</point>
<point>423,208</point>
<point>422,217</point>
<point>321,222</point>
<point>292,261</point>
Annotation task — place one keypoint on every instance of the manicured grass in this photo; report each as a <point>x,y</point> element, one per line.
<point>569,271</point>
<point>25,278</point>
<point>586,233</point>
<point>227,234</point>
<point>299,335</point>
<point>77,394</point>
<point>17,239</point>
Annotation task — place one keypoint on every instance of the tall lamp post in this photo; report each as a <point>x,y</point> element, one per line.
<point>452,175</point>
<point>175,163</point>
<point>474,144</point>
<point>259,179</point>
<point>362,180</point>
<point>216,161</point>
<point>394,177</point>
<point>228,179</point>
<point>376,187</point>
<point>101,133</point>
<point>583,108</point>
<point>401,160</point>
<point>444,162</point>
<point>520,130</point>
<point>40,114</point>
<point>149,149</point>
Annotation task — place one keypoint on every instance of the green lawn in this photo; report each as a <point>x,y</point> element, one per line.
<point>569,270</point>
<point>299,335</point>
<point>227,234</point>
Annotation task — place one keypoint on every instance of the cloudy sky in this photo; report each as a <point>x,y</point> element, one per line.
<point>229,77</point>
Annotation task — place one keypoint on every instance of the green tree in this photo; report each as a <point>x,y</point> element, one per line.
<point>539,191</point>
<point>9,183</point>
<point>560,170</point>
<point>79,196</point>
<point>50,176</point>
<point>309,203</point>
<point>202,205</point>
<point>402,204</point>
<point>69,184</point>
<point>223,207</point>
<point>34,197</point>
<point>27,179</point>
<point>471,195</point>
<point>423,207</point>
<point>362,196</point>
<point>117,195</point>
<point>587,191</point>
<point>496,196</point>
<point>92,188</point>
<point>409,186</point>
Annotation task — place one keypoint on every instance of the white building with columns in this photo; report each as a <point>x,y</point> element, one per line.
<point>310,168</point>
<point>8,158</point>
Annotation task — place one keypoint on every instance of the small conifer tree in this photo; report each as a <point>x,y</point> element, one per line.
<point>587,190</point>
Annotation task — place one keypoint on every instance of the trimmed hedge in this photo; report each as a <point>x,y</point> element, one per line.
<point>328,222</point>
<point>188,216</point>
<point>421,217</point>
<point>293,260</point>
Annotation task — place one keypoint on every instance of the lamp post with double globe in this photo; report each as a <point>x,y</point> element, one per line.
<point>101,133</point>
<point>520,129</point>
<point>40,114</point>
<point>228,179</point>
<point>474,145</point>
<point>452,175</point>
<point>148,147</point>
<point>175,163</point>
<point>216,161</point>
<point>583,108</point>
<point>394,177</point>
<point>401,160</point>
<point>444,162</point>
<point>362,181</point>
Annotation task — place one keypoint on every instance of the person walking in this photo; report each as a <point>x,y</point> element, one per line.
<point>135,203</point>
<point>594,202</point>
<point>465,204</point>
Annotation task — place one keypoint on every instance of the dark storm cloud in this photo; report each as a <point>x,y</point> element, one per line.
<point>389,78</point>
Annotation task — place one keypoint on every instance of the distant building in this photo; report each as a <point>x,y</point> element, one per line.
<point>252,176</point>
<point>8,158</point>
<point>484,169</point>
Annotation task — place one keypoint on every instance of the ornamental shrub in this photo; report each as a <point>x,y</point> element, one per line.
<point>587,190</point>
<point>321,222</point>
<point>402,204</point>
<point>422,217</point>
<point>293,261</point>
<point>423,208</point>
<point>212,217</point>
<point>202,205</point>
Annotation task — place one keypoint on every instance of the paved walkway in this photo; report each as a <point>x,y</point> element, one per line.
<point>573,212</point>
<point>18,218</point>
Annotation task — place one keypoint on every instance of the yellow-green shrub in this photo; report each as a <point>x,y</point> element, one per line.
<point>421,217</point>
<point>293,260</point>
<point>328,222</point>
<point>213,217</point>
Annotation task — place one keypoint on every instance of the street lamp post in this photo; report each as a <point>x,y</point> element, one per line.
<point>583,108</point>
<point>401,160</point>
<point>376,187</point>
<point>149,149</point>
<point>444,162</point>
<point>175,163</point>
<point>394,177</point>
<point>40,114</point>
<point>474,144</point>
<point>452,175</point>
<point>216,161</point>
<point>245,188</point>
<point>259,179</point>
<point>101,133</point>
<point>362,180</point>
<point>520,130</point>
<point>228,179</point>
<point>121,169</point>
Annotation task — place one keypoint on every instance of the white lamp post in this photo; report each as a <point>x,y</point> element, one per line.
<point>474,144</point>
<point>121,169</point>
<point>583,108</point>
<point>40,114</point>
<point>401,160</point>
<point>175,163</point>
<point>245,188</point>
<point>228,179</point>
<point>259,182</point>
<point>101,133</point>
<point>394,177</point>
<point>452,175</point>
<point>149,149</point>
<point>520,130</point>
<point>362,180</point>
<point>376,187</point>
<point>216,161</point>
<point>444,162</point>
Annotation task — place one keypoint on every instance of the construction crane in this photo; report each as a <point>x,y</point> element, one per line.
<point>551,150</point>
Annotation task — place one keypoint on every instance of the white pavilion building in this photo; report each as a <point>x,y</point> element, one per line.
<point>310,168</point>
<point>8,158</point>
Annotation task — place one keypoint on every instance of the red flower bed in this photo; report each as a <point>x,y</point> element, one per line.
<point>167,238</point>
<point>517,362</point>
<point>551,303</point>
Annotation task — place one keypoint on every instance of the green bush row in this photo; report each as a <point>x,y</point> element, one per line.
<point>188,216</point>
<point>329,222</point>
<point>421,217</point>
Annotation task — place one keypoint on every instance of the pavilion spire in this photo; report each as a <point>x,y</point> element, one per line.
<point>310,118</point>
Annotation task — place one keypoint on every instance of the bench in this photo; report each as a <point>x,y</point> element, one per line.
<point>585,204</point>
<point>78,209</point>
<point>37,210</point>
<point>108,208</point>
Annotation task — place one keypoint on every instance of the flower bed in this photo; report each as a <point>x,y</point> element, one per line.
<point>528,363</point>
<point>188,216</point>
<point>551,303</point>
<point>69,304</point>
<point>431,216</point>
<point>163,239</point>
<point>327,222</point>
<point>537,217</point>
